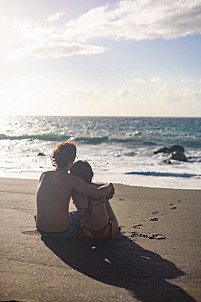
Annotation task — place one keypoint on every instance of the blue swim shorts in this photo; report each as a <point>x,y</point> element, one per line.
<point>72,231</point>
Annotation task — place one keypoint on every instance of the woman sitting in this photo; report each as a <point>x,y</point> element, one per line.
<point>97,217</point>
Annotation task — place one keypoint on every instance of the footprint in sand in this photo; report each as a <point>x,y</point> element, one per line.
<point>156,212</point>
<point>137,226</point>
<point>153,236</point>
<point>11,301</point>
<point>154,219</point>
<point>134,234</point>
<point>172,204</point>
<point>157,236</point>
<point>31,232</point>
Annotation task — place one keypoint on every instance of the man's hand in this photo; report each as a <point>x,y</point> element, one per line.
<point>111,192</point>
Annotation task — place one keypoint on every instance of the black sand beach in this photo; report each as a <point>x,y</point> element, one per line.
<point>154,257</point>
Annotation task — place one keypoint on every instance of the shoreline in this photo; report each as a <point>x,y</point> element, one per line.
<point>108,180</point>
<point>154,257</point>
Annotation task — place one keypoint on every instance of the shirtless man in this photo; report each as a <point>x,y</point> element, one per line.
<point>54,193</point>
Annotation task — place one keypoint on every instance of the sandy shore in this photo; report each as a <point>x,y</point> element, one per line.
<point>155,256</point>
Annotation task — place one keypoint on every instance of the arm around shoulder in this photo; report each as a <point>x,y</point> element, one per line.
<point>89,190</point>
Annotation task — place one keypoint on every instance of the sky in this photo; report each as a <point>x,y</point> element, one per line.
<point>100,57</point>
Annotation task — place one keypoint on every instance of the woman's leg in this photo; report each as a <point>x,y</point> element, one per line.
<point>112,217</point>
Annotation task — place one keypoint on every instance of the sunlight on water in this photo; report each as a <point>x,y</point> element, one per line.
<point>113,146</point>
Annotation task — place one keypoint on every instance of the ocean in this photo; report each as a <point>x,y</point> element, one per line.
<point>120,149</point>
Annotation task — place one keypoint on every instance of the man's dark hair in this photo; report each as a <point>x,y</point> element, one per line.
<point>63,154</point>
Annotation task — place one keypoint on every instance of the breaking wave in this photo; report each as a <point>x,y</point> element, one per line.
<point>83,139</point>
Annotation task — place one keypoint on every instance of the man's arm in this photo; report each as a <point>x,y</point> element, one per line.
<point>97,185</point>
<point>82,187</point>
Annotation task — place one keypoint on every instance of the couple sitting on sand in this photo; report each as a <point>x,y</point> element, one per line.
<point>94,216</point>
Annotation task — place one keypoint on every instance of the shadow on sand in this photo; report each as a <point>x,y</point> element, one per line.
<point>123,263</point>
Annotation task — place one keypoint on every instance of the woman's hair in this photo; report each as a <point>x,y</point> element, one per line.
<point>63,154</point>
<point>83,170</point>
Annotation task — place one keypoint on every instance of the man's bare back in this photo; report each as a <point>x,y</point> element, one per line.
<point>53,198</point>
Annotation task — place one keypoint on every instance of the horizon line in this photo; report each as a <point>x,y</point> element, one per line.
<point>111,116</point>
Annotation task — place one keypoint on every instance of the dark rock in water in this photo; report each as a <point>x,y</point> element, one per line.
<point>178,156</point>
<point>130,153</point>
<point>176,148</point>
<point>170,149</point>
<point>177,153</point>
<point>167,161</point>
<point>41,154</point>
<point>161,150</point>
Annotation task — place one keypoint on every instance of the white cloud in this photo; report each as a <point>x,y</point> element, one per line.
<point>128,20</point>
<point>55,17</point>
<point>83,93</point>
<point>167,93</point>
<point>58,51</point>
<point>123,92</point>
<point>139,20</point>
<point>187,80</point>
<point>155,80</point>
<point>164,92</point>
<point>165,100</point>
<point>60,96</point>
<point>137,80</point>
<point>189,94</point>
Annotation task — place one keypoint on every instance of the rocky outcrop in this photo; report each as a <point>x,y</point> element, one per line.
<point>167,161</point>
<point>177,153</point>
<point>178,156</point>
<point>41,154</point>
<point>170,149</point>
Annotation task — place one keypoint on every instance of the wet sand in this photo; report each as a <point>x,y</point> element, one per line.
<point>154,257</point>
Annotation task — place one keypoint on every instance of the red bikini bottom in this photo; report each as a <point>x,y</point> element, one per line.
<point>99,234</point>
